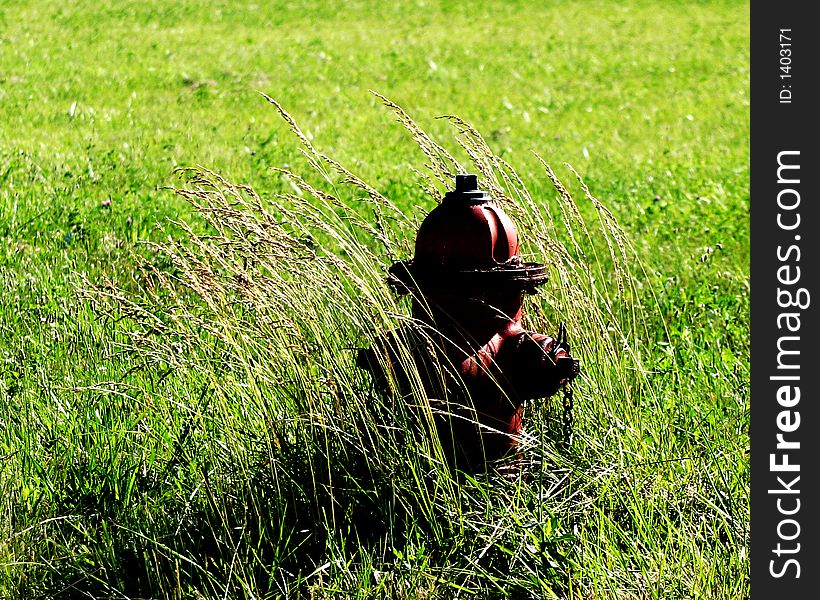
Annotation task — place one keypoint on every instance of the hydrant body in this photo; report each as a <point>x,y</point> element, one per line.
<point>477,363</point>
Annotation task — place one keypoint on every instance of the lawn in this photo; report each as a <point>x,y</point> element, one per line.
<point>195,454</point>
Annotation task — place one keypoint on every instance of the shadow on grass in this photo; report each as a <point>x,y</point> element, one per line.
<point>303,522</point>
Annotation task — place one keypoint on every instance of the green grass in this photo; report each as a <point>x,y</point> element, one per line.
<point>193,464</point>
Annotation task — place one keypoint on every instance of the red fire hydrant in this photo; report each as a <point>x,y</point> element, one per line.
<point>477,363</point>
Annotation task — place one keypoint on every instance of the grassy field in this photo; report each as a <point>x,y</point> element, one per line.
<point>168,432</point>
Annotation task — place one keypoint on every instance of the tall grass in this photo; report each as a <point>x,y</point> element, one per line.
<point>250,457</point>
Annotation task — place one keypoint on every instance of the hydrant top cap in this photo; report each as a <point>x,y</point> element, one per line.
<point>467,241</point>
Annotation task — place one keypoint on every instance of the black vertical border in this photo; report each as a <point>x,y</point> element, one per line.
<point>778,126</point>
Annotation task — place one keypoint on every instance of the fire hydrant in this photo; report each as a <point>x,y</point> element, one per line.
<point>476,362</point>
